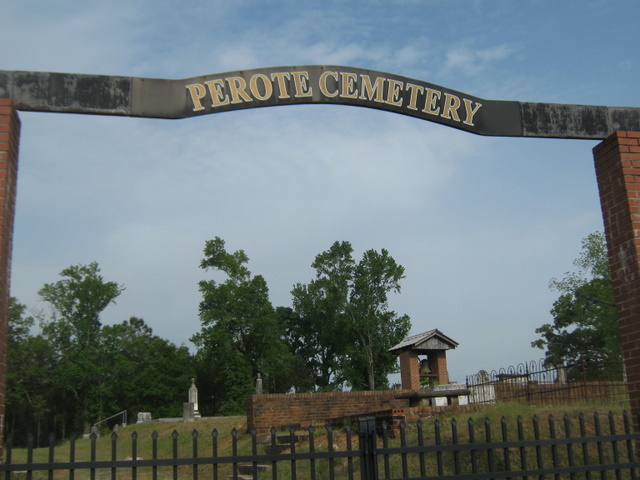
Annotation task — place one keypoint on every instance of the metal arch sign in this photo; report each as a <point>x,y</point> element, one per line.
<point>163,98</point>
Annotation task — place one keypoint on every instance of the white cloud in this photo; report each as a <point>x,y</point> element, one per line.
<point>470,61</point>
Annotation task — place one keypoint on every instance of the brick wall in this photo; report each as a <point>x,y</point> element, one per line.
<point>9,138</point>
<point>617,162</point>
<point>277,410</point>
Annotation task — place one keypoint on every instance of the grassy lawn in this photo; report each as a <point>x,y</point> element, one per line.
<point>490,422</point>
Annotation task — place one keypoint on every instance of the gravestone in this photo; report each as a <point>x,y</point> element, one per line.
<point>259,385</point>
<point>484,391</point>
<point>188,414</point>
<point>144,417</point>
<point>190,408</point>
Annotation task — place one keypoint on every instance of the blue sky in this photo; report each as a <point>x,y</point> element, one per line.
<point>480,223</point>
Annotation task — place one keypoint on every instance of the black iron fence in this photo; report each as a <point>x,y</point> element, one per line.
<point>574,447</point>
<point>535,383</point>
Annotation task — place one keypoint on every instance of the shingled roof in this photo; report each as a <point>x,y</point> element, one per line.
<point>431,340</point>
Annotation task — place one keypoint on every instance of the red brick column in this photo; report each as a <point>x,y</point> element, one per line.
<point>617,161</point>
<point>9,138</point>
<point>438,364</point>
<point>409,370</point>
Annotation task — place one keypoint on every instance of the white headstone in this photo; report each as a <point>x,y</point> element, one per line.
<point>193,397</point>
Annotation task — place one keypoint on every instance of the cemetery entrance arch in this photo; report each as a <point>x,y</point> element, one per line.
<point>617,157</point>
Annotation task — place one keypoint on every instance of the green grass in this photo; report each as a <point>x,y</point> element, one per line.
<point>466,426</point>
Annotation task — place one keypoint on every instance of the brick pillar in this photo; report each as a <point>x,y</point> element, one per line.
<point>617,162</point>
<point>438,364</point>
<point>409,370</point>
<point>9,138</point>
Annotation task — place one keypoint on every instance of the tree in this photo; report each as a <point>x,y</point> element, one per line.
<point>74,328</point>
<point>585,326</point>
<point>241,336</point>
<point>145,373</point>
<point>344,327</point>
<point>30,392</point>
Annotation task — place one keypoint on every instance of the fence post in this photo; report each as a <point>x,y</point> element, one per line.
<point>368,455</point>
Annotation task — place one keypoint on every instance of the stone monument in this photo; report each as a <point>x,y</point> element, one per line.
<point>190,408</point>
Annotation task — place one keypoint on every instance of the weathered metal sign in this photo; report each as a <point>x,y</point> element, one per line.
<point>160,98</point>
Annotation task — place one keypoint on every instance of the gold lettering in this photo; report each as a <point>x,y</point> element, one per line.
<point>430,98</point>
<point>349,89</point>
<point>282,85</point>
<point>301,82</point>
<point>197,92</point>
<point>237,88</point>
<point>369,90</point>
<point>393,94</point>
<point>255,91</point>
<point>322,83</point>
<point>218,97</point>
<point>451,105</point>
<point>470,113</point>
<point>413,99</point>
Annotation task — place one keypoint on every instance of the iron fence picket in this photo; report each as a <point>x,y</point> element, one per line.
<point>154,454</point>
<point>52,442</point>
<point>174,448</point>
<point>523,452</point>
<point>134,455</point>
<point>214,452</point>
<point>438,439</point>
<point>72,456</point>
<point>490,453</point>
<point>472,451</point>
<point>94,438</point>
<point>480,457</point>
<point>585,448</point>
<point>312,462</point>
<point>29,455</point>
<point>350,469</point>
<point>567,433</point>
<point>274,463</point>
<point>292,433</point>
<point>536,436</point>
<point>194,451</point>
<point>506,453</point>
<point>403,445</point>
<point>332,468</point>
<point>554,447</point>
<point>423,466</point>
<point>456,452</point>
<point>385,458</point>
<point>596,425</point>
<point>614,445</point>
<point>234,451</point>
<point>114,453</point>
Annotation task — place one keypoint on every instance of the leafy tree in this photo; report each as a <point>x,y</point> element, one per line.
<point>30,392</point>
<point>74,328</point>
<point>241,336</point>
<point>585,326</point>
<point>343,325</point>
<point>146,373</point>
